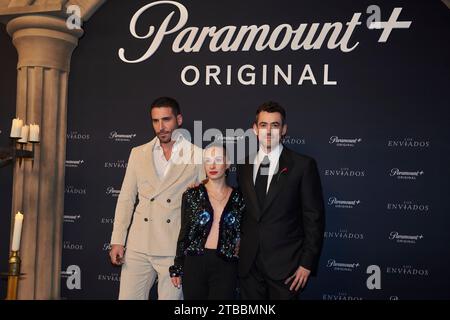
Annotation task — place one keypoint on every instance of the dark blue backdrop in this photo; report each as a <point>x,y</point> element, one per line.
<point>380,136</point>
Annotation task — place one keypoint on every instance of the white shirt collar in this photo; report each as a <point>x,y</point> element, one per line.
<point>274,154</point>
<point>178,137</point>
<point>274,157</point>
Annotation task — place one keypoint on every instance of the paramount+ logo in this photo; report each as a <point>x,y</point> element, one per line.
<point>344,142</point>
<point>342,266</point>
<point>343,204</point>
<point>405,238</point>
<point>121,137</point>
<point>405,175</point>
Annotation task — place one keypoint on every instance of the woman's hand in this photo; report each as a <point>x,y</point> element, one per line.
<point>176,281</point>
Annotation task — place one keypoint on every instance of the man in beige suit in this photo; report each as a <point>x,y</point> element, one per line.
<point>158,173</point>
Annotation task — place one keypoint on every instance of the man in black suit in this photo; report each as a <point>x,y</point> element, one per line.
<point>282,229</point>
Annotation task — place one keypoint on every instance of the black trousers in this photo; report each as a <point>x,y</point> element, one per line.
<point>209,277</point>
<point>257,285</point>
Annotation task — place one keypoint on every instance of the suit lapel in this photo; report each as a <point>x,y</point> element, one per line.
<point>250,187</point>
<point>175,171</point>
<point>278,179</point>
<point>149,165</point>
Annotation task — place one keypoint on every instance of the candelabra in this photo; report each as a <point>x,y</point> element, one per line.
<point>13,275</point>
<point>20,136</point>
<point>16,152</point>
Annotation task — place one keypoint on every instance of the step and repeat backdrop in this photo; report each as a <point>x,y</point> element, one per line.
<point>365,85</point>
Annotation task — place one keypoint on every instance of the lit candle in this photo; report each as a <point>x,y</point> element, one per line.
<point>24,135</point>
<point>16,128</point>
<point>17,232</point>
<point>34,133</point>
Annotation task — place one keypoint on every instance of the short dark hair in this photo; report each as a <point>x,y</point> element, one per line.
<point>166,102</point>
<point>271,106</point>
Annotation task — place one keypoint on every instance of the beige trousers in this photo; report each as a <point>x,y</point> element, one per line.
<point>139,273</point>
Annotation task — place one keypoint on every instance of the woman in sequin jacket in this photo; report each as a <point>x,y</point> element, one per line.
<point>208,244</point>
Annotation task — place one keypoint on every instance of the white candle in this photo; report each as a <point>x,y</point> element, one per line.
<point>16,128</point>
<point>17,232</point>
<point>34,133</point>
<point>24,135</point>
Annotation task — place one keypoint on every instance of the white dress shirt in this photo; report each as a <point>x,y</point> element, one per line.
<point>162,165</point>
<point>274,157</point>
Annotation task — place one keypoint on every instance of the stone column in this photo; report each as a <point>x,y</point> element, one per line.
<point>44,45</point>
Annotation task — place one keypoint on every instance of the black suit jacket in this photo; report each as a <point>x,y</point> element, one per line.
<point>288,228</point>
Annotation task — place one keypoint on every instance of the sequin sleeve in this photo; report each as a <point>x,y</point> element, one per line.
<point>241,211</point>
<point>177,269</point>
